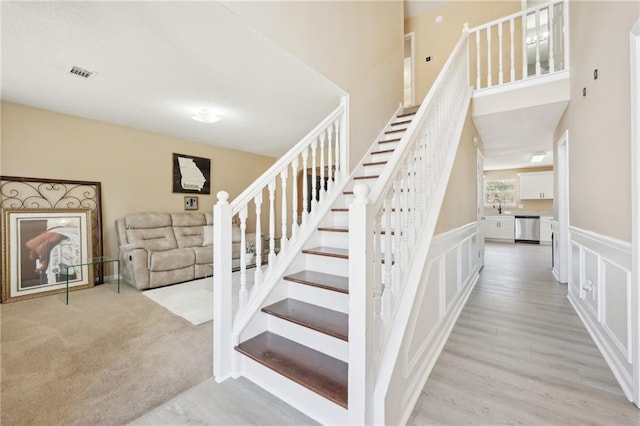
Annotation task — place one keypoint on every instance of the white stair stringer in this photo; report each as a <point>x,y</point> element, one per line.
<point>420,252</point>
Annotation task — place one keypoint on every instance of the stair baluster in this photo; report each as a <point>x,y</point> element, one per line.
<point>257,200</point>
<point>283,230</point>
<point>243,259</point>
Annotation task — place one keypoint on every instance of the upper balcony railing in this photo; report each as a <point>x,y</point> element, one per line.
<point>521,46</point>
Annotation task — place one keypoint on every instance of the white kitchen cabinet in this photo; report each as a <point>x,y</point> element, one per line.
<point>545,229</point>
<point>536,185</point>
<point>499,228</point>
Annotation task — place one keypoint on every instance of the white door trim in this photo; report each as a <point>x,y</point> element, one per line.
<point>634,43</point>
<point>562,179</point>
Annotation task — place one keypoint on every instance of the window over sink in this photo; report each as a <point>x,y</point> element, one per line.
<point>503,190</point>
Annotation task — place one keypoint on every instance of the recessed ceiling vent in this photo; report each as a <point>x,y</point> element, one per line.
<point>82,73</point>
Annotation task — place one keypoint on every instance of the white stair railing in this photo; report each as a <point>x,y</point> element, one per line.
<point>384,225</point>
<point>319,161</point>
<point>520,46</point>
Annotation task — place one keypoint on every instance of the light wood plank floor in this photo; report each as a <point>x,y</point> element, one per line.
<point>519,354</point>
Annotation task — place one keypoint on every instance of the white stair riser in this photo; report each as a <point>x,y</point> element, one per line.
<point>333,265</point>
<point>340,218</point>
<point>321,342</point>
<point>373,170</point>
<point>309,402</point>
<point>319,296</point>
<point>380,157</point>
<point>334,239</point>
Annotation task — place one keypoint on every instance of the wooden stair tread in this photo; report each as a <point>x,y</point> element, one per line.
<point>406,114</point>
<point>366,177</point>
<point>375,163</point>
<point>339,209</point>
<point>327,321</point>
<point>314,370</point>
<point>328,251</point>
<point>348,192</point>
<point>382,152</point>
<point>320,279</point>
<point>388,132</point>
<point>334,228</point>
<point>406,121</point>
<point>390,140</point>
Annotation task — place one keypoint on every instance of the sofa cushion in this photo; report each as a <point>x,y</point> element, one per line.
<point>188,219</point>
<point>153,239</point>
<point>171,259</point>
<point>189,236</point>
<point>204,255</point>
<point>147,220</point>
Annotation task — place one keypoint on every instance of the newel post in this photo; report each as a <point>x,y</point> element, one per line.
<point>222,297</point>
<point>361,318</point>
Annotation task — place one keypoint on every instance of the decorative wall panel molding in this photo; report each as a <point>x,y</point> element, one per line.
<point>600,290</point>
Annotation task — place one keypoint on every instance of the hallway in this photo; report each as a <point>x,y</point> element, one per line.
<point>520,354</point>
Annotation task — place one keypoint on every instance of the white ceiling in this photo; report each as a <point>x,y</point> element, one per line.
<point>157,64</point>
<point>416,7</point>
<point>511,137</point>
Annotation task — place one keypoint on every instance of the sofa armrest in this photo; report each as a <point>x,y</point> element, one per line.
<point>134,261</point>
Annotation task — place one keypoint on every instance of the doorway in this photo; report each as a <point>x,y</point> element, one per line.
<point>409,71</point>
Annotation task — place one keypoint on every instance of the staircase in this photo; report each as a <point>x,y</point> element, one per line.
<point>321,324</point>
<point>316,308</point>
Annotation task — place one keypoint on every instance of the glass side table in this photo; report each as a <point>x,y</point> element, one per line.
<point>92,261</point>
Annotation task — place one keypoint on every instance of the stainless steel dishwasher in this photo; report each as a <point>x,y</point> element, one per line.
<point>527,229</point>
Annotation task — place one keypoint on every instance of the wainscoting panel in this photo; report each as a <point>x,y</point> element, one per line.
<point>600,292</point>
<point>451,278</point>
<point>449,274</point>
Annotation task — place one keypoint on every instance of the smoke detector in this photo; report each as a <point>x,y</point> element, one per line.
<point>82,73</point>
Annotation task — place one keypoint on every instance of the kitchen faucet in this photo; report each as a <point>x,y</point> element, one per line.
<point>499,205</point>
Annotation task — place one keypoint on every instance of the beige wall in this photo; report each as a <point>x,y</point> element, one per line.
<point>438,39</point>
<point>599,124</point>
<point>356,44</point>
<point>528,206</point>
<point>460,201</point>
<point>134,167</point>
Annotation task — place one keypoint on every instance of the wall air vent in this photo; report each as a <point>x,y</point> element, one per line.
<point>82,73</point>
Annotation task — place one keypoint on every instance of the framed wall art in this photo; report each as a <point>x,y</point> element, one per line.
<point>45,193</point>
<point>35,243</point>
<point>191,175</point>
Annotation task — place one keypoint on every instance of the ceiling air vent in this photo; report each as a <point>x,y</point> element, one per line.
<point>82,73</point>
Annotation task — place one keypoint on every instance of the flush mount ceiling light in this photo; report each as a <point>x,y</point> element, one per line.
<point>206,116</point>
<point>538,157</point>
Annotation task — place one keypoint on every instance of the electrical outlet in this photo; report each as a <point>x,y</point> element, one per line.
<point>428,58</point>
<point>595,74</point>
<point>584,91</point>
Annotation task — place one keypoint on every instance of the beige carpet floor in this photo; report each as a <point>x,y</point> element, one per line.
<point>105,359</point>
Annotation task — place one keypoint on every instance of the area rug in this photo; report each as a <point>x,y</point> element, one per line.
<point>192,301</point>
